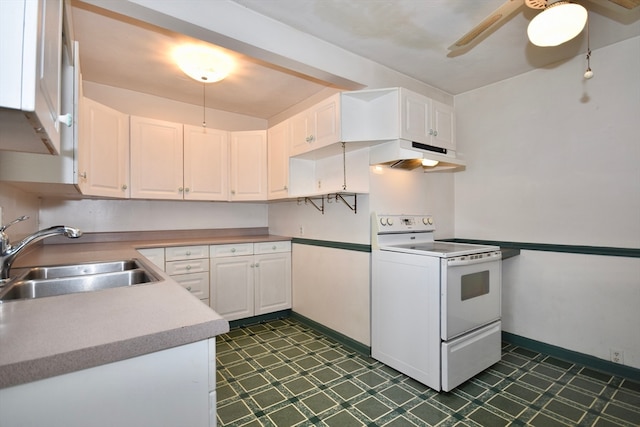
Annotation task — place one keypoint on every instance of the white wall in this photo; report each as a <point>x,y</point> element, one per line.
<point>15,203</point>
<point>554,158</point>
<point>145,215</point>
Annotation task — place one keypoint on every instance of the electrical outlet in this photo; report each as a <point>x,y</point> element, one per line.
<point>617,356</point>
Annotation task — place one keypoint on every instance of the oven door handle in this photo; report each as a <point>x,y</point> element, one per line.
<point>468,260</point>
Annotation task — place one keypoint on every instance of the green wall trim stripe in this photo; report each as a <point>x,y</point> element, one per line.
<point>337,336</point>
<point>330,244</point>
<point>574,249</point>
<point>573,356</point>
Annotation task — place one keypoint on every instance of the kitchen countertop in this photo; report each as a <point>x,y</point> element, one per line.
<point>45,337</point>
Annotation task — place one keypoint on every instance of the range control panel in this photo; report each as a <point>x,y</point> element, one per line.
<point>402,223</point>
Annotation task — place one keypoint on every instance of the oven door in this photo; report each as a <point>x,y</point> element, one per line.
<point>470,292</point>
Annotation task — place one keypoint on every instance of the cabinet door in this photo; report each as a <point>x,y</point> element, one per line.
<point>103,151</point>
<point>300,133</point>
<point>206,163</point>
<point>231,293</point>
<point>316,127</point>
<point>156,159</point>
<point>248,165</point>
<point>444,126</point>
<point>49,70</point>
<point>278,161</point>
<point>326,121</point>
<point>272,282</point>
<point>415,113</point>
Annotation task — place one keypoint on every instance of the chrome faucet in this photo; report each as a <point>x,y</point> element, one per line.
<point>8,252</point>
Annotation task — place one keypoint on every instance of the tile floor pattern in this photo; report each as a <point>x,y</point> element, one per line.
<point>283,373</point>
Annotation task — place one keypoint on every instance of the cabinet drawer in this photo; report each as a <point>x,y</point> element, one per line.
<point>186,252</point>
<point>271,247</point>
<point>187,266</point>
<point>231,250</point>
<point>196,283</point>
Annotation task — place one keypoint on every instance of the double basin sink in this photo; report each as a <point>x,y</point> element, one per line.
<point>39,282</point>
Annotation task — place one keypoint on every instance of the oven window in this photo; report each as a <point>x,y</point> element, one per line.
<point>474,285</point>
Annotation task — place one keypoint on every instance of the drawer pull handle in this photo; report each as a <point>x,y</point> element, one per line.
<point>189,288</point>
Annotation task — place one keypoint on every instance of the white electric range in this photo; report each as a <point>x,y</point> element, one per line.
<point>435,306</point>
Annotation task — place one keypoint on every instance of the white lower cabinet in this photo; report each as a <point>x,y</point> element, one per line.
<point>172,387</point>
<point>250,279</point>
<point>189,266</point>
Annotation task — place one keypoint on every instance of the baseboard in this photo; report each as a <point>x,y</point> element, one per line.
<point>254,320</point>
<point>352,344</point>
<point>585,360</point>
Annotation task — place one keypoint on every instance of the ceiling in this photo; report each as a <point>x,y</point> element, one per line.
<point>409,36</point>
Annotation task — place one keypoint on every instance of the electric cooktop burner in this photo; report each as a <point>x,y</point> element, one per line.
<point>440,249</point>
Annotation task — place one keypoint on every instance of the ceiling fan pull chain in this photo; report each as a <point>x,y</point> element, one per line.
<point>588,74</point>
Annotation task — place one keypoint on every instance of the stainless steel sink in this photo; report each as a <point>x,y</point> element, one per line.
<point>39,282</point>
<point>57,271</point>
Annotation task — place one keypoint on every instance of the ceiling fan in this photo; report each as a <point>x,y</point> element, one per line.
<point>508,9</point>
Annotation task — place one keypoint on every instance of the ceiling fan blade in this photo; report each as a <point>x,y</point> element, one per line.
<point>491,22</point>
<point>627,4</point>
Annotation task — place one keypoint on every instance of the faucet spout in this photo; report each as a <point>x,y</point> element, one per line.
<point>8,252</point>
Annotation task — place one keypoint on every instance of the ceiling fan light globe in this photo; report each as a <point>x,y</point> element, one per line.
<point>557,24</point>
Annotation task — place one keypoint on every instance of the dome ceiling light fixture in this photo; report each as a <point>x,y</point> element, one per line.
<point>558,23</point>
<point>203,63</point>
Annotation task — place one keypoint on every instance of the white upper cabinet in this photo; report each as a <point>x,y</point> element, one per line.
<point>103,151</point>
<point>316,127</point>
<point>278,138</point>
<point>206,163</point>
<point>248,165</point>
<point>397,113</point>
<point>31,75</point>
<point>426,120</point>
<point>156,159</point>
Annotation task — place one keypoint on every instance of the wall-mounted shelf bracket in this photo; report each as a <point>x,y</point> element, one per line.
<point>310,200</point>
<point>341,197</point>
<point>318,201</point>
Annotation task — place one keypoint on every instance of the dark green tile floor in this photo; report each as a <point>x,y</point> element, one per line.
<point>283,373</point>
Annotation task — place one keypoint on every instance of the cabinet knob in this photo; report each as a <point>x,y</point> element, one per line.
<point>435,133</point>
<point>274,247</point>
<point>310,138</point>
<point>180,189</point>
<point>233,250</point>
<point>285,187</point>
<point>257,264</point>
<point>124,186</point>
<point>189,288</point>
<point>66,119</point>
<point>83,175</point>
<point>233,191</point>
<point>186,190</point>
<point>188,253</point>
<point>188,267</point>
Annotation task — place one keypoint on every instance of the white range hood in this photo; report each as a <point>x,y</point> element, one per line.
<point>404,154</point>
